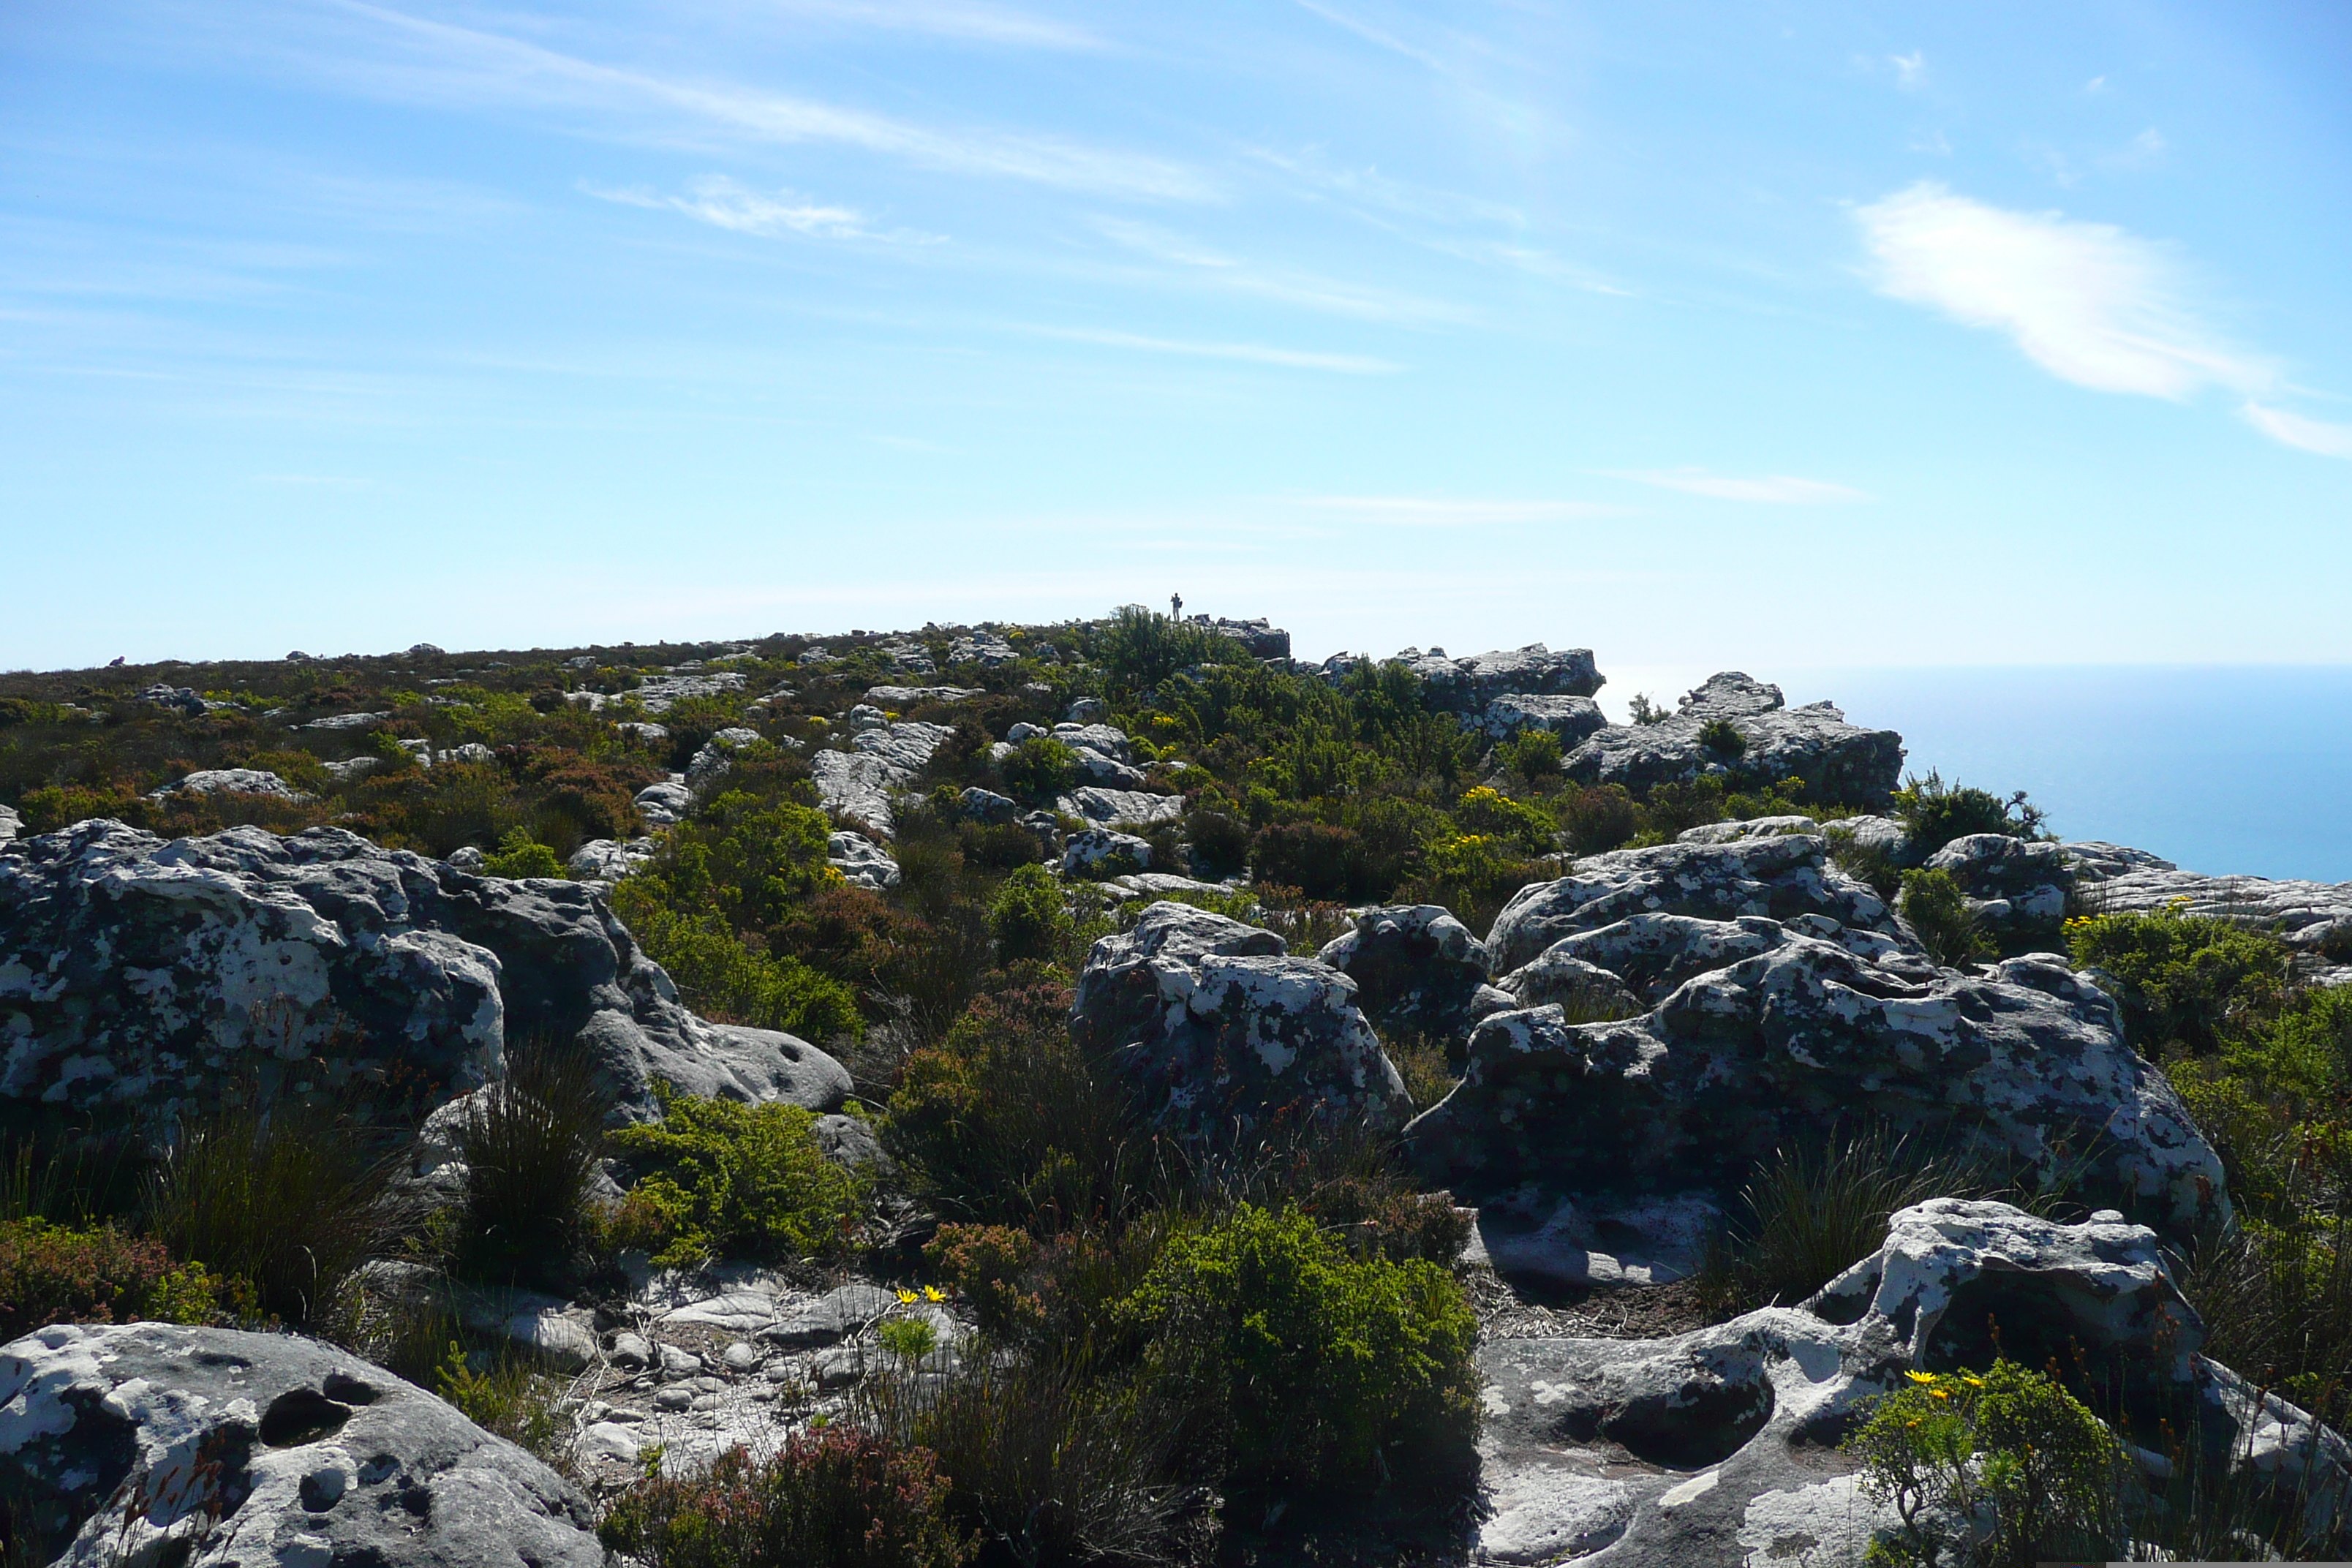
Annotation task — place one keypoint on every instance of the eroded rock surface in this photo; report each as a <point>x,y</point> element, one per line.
<point>881,762</point>
<point>1215,1023</point>
<point>150,1443</point>
<point>2313,916</point>
<point>1840,763</point>
<point>1417,970</point>
<point>139,975</point>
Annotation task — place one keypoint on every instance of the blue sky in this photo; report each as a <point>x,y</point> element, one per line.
<point>1771,335</point>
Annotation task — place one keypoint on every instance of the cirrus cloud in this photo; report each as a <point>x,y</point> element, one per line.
<point>1769,489</point>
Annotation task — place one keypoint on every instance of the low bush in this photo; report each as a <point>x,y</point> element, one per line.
<point>533,1148</point>
<point>286,1197</point>
<point>506,1397</point>
<point>1676,808</point>
<point>2005,1469</point>
<point>54,1274</point>
<point>1007,1120</point>
<point>1040,768</point>
<point>1940,917</point>
<point>1028,918</point>
<point>720,977</point>
<point>1722,737</point>
<point>1598,818</point>
<point>2184,982</point>
<point>518,855</point>
<point>1533,754</point>
<point>1935,813</point>
<point>1812,1210</point>
<point>837,1497</point>
<point>720,1178</point>
<point>1319,1370</point>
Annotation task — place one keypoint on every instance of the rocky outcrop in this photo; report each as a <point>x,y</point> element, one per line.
<point>608,859</point>
<point>1840,763</point>
<point>1782,876</point>
<point>900,697</point>
<point>1120,807</point>
<point>11,825</point>
<point>860,861</point>
<point>882,762</point>
<point>1717,1449</point>
<point>2315,917</point>
<point>2015,886</point>
<point>1217,1028</point>
<point>137,975</point>
<point>1417,971</point>
<point>1773,1029</point>
<point>1098,852</point>
<point>716,755</point>
<point>150,1443</point>
<point>232,781</point>
<point>1466,686</point>
<point>1261,637</point>
<point>1572,719</point>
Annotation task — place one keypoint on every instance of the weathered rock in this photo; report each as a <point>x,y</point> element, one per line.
<point>1467,685</point>
<point>859,782</point>
<point>11,825</point>
<point>860,861</point>
<point>986,806</point>
<point>659,693</point>
<point>1097,851</point>
<point>983,648</point>
<point>1882,837</point>
<point>716,755</point>
<point>842,1312</point>
<point>1582,991</point>
<point>1088,710</point>
<point>1120,807</point>
<point>1572,719</point>
<point>2013,885</point>
<point>182,699</point>
<point>608,859</point>
<point>1717,1449</point>
<point>1102,740</point>
<point>1262,637</point>
<point>150,1442</point>
<point>1749,827</point>
<point>232,781</point>
<point>1599,1241</point>
<point>1840,763</point>
<point>2315,917</point>
<point>136,975</point>
<point>1417,970</point>
<point>1780,877</point>
<point>664,804</point>
<point>1216,1026</point>
<point>345,721</point>
<point>1781,1047</point>
<point>901,698</point>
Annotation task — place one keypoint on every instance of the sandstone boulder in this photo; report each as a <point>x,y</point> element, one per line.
<point>151,1443</point>
<point>1100,852</point>
<point>860,861</point>
<point>881,762</point>
<point>2014,885</point>
<point>1572,719</point>
<point>1218,1029</point>
<point>137,975</point>
<point>1417,971</point>
<point>2315,917</point>
<point>1840,763</point>
<point>231,781</point>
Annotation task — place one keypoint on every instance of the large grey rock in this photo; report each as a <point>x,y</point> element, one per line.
<point>660,693</point>
<point>137,974</point>
<point>346,721</point>
<point>900,697</point>
<point>982,646</point>
<point>2313,916</point>
<point>1216,1026</point>
<point>1747,828</point>
<point>986,806</point>
<point>716,755</point>
<point>11,825</point>
<point>1789,1035</point>
<point>1417,970</point>
<point>2014,885</point>
<point>1262,637</point>
<point>860,861</point>
<point>1120,807</point>
<point>1467,685</point>
<point>664,804</point>
<point>182,699</point>
<point>150,1443</point>
<point>1102,740</point>
<point>232,781</point>
<point>1100,852</point>
<point>881,762</point>
<point>608,859</point>
<point>1840,763</point>
<point>1572,719</point>
<point>1781,877</point>
<point>1717,1449</point>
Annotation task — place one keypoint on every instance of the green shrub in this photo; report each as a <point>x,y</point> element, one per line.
<point>2009,1449</point>
<point>2184,980</point>
<point>1597,819</point>
<point>1008,1120</point>
<point>1674,808</point>
<point>830,1499</point>
<point>746,858</point>
<point>518,856</point>
<point>1028,918</point>
<point>1722,737</point>
<point>725,1179</point>
<point>1812,1210</point>
<point>1473,875</point>
<point>54,1274</point>
<point>1941,918</point>
<point>287,1198</point>
<point>1041,768</point>
<point>1532,755</point>
<point>720,977</point>
<point>908,1339</point>
<point>534,1147</point>
<point>1322,1372</point>
<point>1493,813</point>
<point>507,1398</point>
<point>1139,648</point>
<point>1935,813</point>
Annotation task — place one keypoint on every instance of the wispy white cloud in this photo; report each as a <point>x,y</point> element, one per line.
<point>1333,296</point>
<point>2086,301</point>
<point>1425,511</point>
<point>1769,489</point>
<point>1378,37</point>
<point>723,203</point>
<point>2329,440</point>
<point>471,68</point>
<point>1251,354</point>
<point>977,24</point>
<point>1909,70</point>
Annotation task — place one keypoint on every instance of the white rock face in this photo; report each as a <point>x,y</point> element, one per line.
<point>1097,849</point>
<point>2313,916</point>
<point>664,804</point>
<point>1120,807</point>
<point>232,781</point>
<point>11,825</point>
<point>608,859</point>
<point>861,861</point>
<point>859,782</point>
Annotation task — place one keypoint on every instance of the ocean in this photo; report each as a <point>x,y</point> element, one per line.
<point>2224,769</point>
